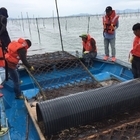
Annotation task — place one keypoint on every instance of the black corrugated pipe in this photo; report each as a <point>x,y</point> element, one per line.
<point>94,105</point>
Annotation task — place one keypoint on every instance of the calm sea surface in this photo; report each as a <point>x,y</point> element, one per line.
<point>45,34</point>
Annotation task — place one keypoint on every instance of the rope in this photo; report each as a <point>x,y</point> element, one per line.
<point>37,96</point>
<point>40,89</point>
<point>93,78</point>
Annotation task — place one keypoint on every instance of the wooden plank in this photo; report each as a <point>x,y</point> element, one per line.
<point>34,120</point>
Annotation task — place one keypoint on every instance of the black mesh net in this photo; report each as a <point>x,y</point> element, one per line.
<point>60,73</point>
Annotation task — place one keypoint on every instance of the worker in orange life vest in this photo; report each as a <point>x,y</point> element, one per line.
<point>135,52</point>
<point>2,62</point>
<point>17,50</point>
<point>4,38</point>
<point>110,24</point>
<point>89,48</point>
<point>4,41</point>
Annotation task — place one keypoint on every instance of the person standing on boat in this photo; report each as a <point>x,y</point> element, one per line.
<point>89,48</point>
<point>110,24</point>
<point>135,52</point>
<point>4,38</point>
<point>17,50</point>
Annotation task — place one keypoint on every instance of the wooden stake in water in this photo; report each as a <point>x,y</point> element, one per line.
<point>33,20</point>
<point>29,24</point>
<point>43,22</point>
<point>59,25</point>
<point>53,20</point>
<point>88,25</point>
<point>19,22</point>
<point>38,30</point>
<point>66,25</point>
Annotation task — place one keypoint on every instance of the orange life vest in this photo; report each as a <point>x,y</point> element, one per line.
<point>12,54</point>
<point>2,59</point>
<point>136,47</point>
<point>87,45</point>
<point>109,22</point>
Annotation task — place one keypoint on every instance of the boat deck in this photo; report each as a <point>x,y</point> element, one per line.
<point>54,79</point>
<point>3,119</point>
<point>31,106</point>
<point>111,128</point>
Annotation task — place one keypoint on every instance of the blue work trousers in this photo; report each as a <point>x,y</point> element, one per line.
<point>15,78</point>
<point>112,44</point>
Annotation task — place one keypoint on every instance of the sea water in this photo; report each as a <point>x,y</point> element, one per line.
<point>47,37</point>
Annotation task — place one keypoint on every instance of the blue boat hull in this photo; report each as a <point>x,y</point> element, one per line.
<point>20,124</point>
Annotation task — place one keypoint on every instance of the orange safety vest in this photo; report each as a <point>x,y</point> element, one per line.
<point>87,45</point>
<point>12,54</point>
<point>109,23</point>
<point>136,47</point>
<point>2,59</point>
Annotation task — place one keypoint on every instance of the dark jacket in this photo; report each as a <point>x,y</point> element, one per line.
<point>4,36</point>
<point>22,55</point>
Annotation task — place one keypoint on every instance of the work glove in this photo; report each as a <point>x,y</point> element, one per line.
<point>85,52</point>
<point>32,68</point>
<point>130,59</point>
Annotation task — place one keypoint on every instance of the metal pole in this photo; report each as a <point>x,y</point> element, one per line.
<point>59,25</point>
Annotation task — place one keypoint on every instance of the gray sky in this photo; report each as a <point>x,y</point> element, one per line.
<point>47,8</point>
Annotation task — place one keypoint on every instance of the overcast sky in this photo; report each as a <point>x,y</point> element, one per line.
<point>47,8</point>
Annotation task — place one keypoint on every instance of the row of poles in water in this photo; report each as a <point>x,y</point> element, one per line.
<point>36,22</point>
<point>58,19</point>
